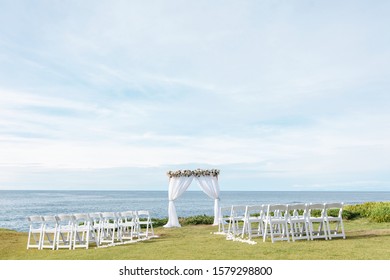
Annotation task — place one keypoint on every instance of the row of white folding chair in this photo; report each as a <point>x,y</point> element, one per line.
<point>61,231</point>
<point>117,227</point>
<point>235,220</point>
<point>73,231</point>
<point>125,226</point>
<point>328,226</point>
<point>300,220</point>
<point>280,221</point>
<point>238,219</point>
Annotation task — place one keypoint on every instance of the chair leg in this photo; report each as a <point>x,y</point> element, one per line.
<point>70,239</point>
<point>57,241</point>
<point>286,231</point>
<point>87,239</point>
<point>249,230</point>
<point>325,232</point>
<point>28,239</point>
<point>271,226</point>
<point>147,230</point>
<point>265,231</point>
<point>261,227</point>
<point>76,236</point>
<point>293,230</point>
<point>311,230</point>
<point>328,229</point>
<point>342,229</point>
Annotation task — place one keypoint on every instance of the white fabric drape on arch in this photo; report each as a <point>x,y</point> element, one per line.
<point>210,186</point>
<point>178,185</point>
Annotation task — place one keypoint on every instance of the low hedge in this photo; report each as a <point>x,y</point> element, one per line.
<point>374,211</point>
<point>193,220</point>
<point>197,220</point>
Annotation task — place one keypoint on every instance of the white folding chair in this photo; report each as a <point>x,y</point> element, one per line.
<point>144,221</point>
<point>49,233</point>
<point>236,219</point>
<point>276,221</point>
<point>337,230</point>
<point>316,218</point>
<point>128,225</point>
<point>65,231</point>
<point>254,214</point>
<point>223,220</point>
<point>83,233</point>
<point>97,224</point>
<point>297,220</point>
<point>110,229</point>
<point>35,231</point>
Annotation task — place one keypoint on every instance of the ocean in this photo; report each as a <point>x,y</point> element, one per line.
<point>15,206</point>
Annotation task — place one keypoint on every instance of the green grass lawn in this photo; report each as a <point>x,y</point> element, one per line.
<point>365,241</point>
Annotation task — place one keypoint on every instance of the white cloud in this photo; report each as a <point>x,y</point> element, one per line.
<point>286,91</point>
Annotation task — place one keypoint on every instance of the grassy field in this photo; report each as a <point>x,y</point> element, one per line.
<point>366,240</point>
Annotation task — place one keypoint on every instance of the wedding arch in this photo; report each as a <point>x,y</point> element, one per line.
<point>180,180</point>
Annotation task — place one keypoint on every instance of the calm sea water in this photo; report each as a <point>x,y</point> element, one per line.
<point>15,206</point>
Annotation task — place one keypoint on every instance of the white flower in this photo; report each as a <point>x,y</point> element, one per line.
<point>198,172</point>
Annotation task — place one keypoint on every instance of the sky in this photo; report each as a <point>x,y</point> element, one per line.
<point>278,95</point>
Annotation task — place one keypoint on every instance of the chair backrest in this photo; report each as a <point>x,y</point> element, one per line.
<point>96,220</point>
<point>335,206</point>
<point>50,219</point>
<point>224,211</point>
<point>254,210</point>
<point>96,217</point>
<point>36,222</point>
<point>278,210</point>
<point>297,209</point>
<point>277,207</point>
<point>82,219</point>
<point>128,216</point>
<point>81,216</point>
<point>35,219</point>
<point>109,215</point>
<point>316,206</point>
<point>65,219</point>
<point>237,211</point>
<point>143,213</point>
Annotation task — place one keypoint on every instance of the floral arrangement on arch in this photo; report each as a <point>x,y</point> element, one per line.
<point>196,172</point>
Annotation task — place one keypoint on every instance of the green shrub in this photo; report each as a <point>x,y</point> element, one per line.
<point>194,220</point>
<point>361,210</point>
<point>350,215</point>
<point>380,213</point>
<point>197,220</point>
<point>375,211</point>
<point>159,222</point>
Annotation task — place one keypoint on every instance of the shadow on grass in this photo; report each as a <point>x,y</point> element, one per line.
<point>368,235</point>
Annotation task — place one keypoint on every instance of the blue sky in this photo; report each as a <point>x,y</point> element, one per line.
<point>278,95</point>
